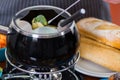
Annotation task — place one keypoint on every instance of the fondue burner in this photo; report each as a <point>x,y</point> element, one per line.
<point>16,71</point>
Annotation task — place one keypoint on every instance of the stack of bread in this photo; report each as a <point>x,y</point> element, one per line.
<point>100,42</point>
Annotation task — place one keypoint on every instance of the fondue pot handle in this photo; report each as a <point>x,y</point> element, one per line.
<point>5,30</point>
<point>80,12</point>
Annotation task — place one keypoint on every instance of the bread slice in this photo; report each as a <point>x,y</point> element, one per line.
<point>101,54</point>
<point>100,30</point>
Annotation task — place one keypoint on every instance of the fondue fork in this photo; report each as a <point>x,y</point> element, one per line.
<point>63,11</point>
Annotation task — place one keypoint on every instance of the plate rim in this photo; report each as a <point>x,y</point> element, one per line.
<point>93,74</point>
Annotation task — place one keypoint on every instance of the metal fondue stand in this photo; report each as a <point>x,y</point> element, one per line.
<point>19,72</point>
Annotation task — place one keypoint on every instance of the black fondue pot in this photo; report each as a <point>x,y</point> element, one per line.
<point>36,49</point>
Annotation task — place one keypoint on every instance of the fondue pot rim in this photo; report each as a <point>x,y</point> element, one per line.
<point>38,35</point>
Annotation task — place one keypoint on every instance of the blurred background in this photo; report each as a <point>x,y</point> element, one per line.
<point>115,13</point>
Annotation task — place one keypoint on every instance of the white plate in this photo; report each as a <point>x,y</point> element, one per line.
<point>89,68</point>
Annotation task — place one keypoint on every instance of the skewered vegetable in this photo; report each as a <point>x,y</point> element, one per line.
<point>39,21</point>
